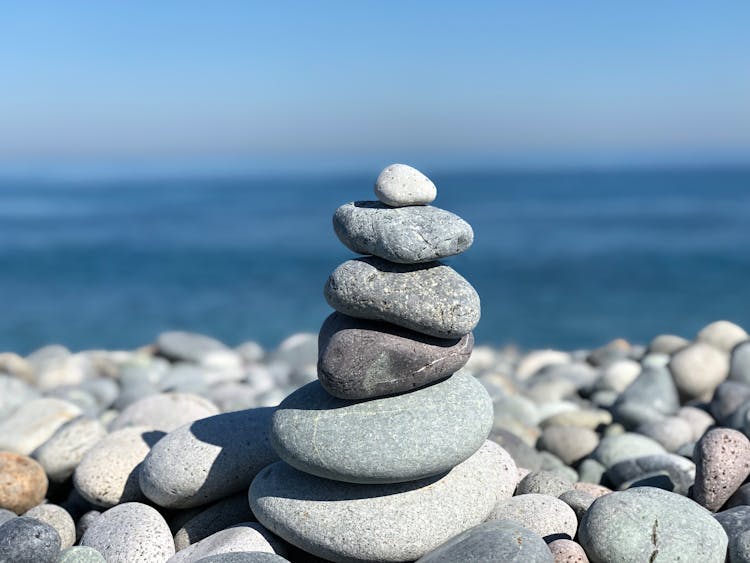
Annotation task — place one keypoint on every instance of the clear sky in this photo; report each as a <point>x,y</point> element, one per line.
<point>520,82</point>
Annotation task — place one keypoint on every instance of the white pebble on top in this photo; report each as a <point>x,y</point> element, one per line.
<point>400,185</point>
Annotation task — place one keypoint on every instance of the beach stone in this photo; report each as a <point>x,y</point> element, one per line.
<point>27,540</point>
<point>647,524</point>
<point>667,344</point>
<point>361,359</point>
<point>400,185</point>
<point>247,536</point>
<point>569,443</point>
<point>671,432</point>
<point>84,522</point>
<point>680,471</point>
<point>730,404</point>
<point>130,533</point>
<point>430,298</point>
<point>739,549</point>
<point>739,367</point>
<point>16,367</point>
<point>225,451</point>
<point>594,489</point>
<point>387,440</point>
<point>613,351</point>
<point>699,420</point>
<point>543,482</point>
<point>196,348</point>
<point>219,516</point>
<point>579,501</point>
<point>650,361</point>
<point>405,235</point>
<point>23,483</point>
<point>581,375</point>
<point>567,551</point>
<point>591,471</point>
<point>64,450</point>
<point>251,352</point>
<point>499,540</point>
<point>517,407</point>
<point>243,557</point>
<point>722,463</point>
<point>545,515</point>
<point>165,411</point>
<point>723,335</point>
<point>537,360</point>
<point>393,522</point>
<point>57,517</point>
<point>80,554</point>
<point>740,497</point>
<point>32,424</point>
<point>698,369</point>
<point>652,396</point>
<point>618,375</point>
<point>108,473</point>
<point>14,393</point>
<point>580,418</point>
<point>614,449</point>
<point>523,454</point>
<point>735,521</point>
<point>6,515</point>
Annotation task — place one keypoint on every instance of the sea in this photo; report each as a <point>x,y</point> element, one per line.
<point>562,259</point>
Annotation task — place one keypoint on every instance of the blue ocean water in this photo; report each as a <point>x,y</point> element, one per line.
<point>560,259</point>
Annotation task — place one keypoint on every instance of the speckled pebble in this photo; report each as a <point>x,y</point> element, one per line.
<point>64,450</point>
<point>544,483</point>
<point>399,185</point>
<point>27,540</point>
<point>57,517</point>
<point>722,460</point>
<point>567,551</point>
<point>548,516</point>
<point>80,554</point>
<point>23,483</point>
<point>245,557</point>
<point>579,501</point>
<point>32,424</point>
<point>248,536</point>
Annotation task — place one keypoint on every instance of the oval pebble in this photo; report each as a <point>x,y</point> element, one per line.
<point>248,536</point>
<point>164,411</point>
<point>243,557</point>
<point>80,554</point>
<point>698,369</point>
<point>218,516</point>
<point>130,533</point>
<point>27,540</point>
<point>64,450</point>
<point>545,515</point>
<point>722,463</point>
<point>568,551</point>
<point>399,185</point>
<point>23,483</point>
<point>57,517</point>
<point>395,522</point>
<point>33,423</point>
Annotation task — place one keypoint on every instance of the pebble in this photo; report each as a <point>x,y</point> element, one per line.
<point>57,517</point>
<point>80,554</point>
<point>523,454</point>
<point>394,522</point>
<point>499,540</point>
<point>14,393</point>
<point>730,404</point>
<point>699,420</point>
<point>225,451</point>
<point>545,515</point>
<point>16,367</point>
<point>84,522</point>
<point>739,549</point>
<point>735,521</point>
<point>667,344</point>
<point>387,440</point>
<point>33,423</point>
<point>537,360</point>
<point>581,418</point>
<point>400,185</point>
<point>429,298</point>
<point>618,375</point>
<point>196,348</point>
<point>27,540</point>
<point>6,515</point>
<point>647,524</point>
<point>23,483</point>
<point>724,335</point>
<point>722,463</point>
<point>591,471</point>
<point>652,396</point>
<point>108,473</point>
<point>218,516</point>
<point>130,533</point>
<point>579,501</point>
<point>406,235</point>
<point>361,359</point>
<point>543,482</point>
<point>248,536</point>
<point>243,557</point>
<point>614,449</point>
<point>570,443</point>
<point>165,411</point>
<point>698,369</point>
<point>64,450</point>
<point>567,551</point>
<point>740,496</point>
<point>680,471</point>
<point>671,432</point>
<point>739,367</point>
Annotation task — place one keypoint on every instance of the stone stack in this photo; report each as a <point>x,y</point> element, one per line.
<point>385,456</point>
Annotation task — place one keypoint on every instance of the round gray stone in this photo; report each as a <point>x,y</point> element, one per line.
<point>188,346</point>
<point>6,515</point>
<point>64,450</point>
<point>243,557</point>
<point>569,443</point>
<point>614,449</point>
<point>735,521</point>
<point>217,517</point>
<point>671,432</point>
<point>499,540</point>
<point>130,533</point>
<point>647,524</point>
<point>225,452</point>
<point>667,344</point>
<point>57,517</point>
<point>80,554</point>
<point>395,522</point>
<point>698,369</point>
<point>430,298</point>
<point>652,396</point>
<point>680,471</point>
<point>27,540</point>
<point>399,185</point>
<point>545,515</point>
<point>739,367</point>
<point>164,411</point>
<point>248,536</point>
<point>387,440</point>
<point>544,483</point>
<point>579,501</point>
<point>405,235</point>
<point>361,359</point>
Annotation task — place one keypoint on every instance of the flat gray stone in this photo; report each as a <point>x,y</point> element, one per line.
<point>499,540</point>
<point>647,524</point>
<point>395,522</point>
<point>64,450</point>
<point>33,423</point>
<point>27,540</point>
<point>225,452</point>
<point>399,185</point>
<point>79,554</point>
<point>130,533</point>
<point>361,359</point>
<point>248,536</point>
<point>220,515</point>
<point>544,483</point>
<point>57,517</point>
<point>387,440</point>
<point>545,515</point>
<point>430,298</point>
<point>405,235</point>
<point>614,449</point>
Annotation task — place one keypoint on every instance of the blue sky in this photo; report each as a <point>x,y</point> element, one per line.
<point>480,83</point>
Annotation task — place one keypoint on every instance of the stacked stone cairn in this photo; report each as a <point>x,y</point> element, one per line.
<point>385,457</point>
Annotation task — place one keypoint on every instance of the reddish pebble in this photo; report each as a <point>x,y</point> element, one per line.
<point>722,463</point>
<point>23,482</point>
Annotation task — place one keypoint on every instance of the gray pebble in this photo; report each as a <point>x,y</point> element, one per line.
<point>667,344</point>
<point>724,335</point>
<point>85,521</point>
<point>671,432</point>
<point>579,501</point>
<point>429,298</point>
<point>739,368</point>
<point>698,369</point>
<point>218,516</point>
<point>33,423</point>
<point>130,533</point>
<point>27,540</point>
<point>544,483</point>
<point>400,185</point>
<point>14,393</point>
<point>80,554</point>
<point>613,449</point>
<point>523,454</point>
<point>680,471</point>
<point>652,396</point>
<point>189,347</point>
<point>591,471</point>
<point>245,557</point>
<point>248,536</point>
<point>730,404</point>
<point>361,359</point>
<point>545,515</point>
<point>165,411</point>
<point>59,519</point>
<point>569,443</point>
<point>387,440</point>
<point>6,515</point>
<point>735,521</point>
<point>64,450</point>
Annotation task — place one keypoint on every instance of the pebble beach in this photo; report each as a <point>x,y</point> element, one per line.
<point>391,435</point>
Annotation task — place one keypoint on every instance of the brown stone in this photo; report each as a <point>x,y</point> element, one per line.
<point>23,482</point>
